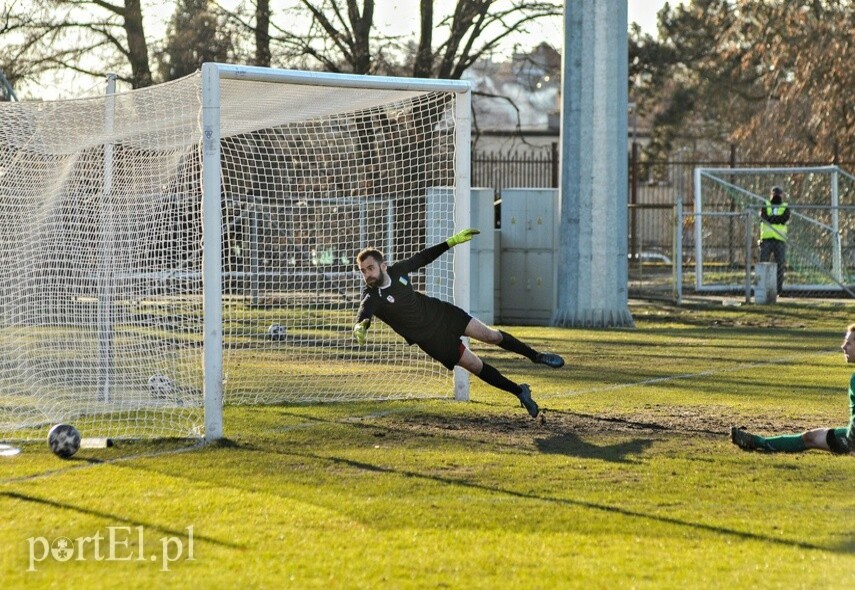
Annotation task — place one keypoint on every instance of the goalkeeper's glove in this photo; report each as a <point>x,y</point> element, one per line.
<point>464,236</point>
<point>360,331</point>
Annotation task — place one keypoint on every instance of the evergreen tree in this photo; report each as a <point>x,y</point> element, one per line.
<point>196,34</point>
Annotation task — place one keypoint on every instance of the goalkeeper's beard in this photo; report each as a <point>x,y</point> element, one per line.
<point>376,282</point>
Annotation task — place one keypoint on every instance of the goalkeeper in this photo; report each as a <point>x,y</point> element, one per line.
<point>434,325</point>
<point>839,441</point>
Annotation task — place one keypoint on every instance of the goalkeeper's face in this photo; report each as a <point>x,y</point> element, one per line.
<point>848,347</point>
<point>372,271</point>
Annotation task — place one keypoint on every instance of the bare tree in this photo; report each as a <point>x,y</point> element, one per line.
<point>84,36</point>
<point>807,110</point>
<point>342,35</point>
<point>773,76</point>
<point>136,46</point>
<point>477,28</point>
<point>13,24</point>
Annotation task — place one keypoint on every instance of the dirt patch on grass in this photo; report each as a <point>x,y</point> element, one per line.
<point>707,421</point>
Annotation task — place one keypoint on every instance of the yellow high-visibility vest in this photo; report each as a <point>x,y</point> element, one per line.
<point>773,231</point>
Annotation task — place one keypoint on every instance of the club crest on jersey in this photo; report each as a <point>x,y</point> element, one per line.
<point>390,299</point>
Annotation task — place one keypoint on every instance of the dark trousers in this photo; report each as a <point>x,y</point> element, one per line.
<point>778,249</point>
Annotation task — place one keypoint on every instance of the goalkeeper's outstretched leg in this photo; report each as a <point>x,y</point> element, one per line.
<point>491,375</point>
<point>479,331</point>
<point>434,325</point>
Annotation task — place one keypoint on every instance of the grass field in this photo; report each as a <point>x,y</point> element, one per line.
<point>630,481</point>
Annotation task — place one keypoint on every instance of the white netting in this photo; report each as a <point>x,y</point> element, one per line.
<point>100,256</point>
<point>820,237</point>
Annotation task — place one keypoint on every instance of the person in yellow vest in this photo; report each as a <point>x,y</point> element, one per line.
<point>773,232</point>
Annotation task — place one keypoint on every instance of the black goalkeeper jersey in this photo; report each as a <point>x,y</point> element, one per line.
<point>412,314</point>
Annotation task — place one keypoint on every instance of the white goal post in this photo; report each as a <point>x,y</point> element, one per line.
<point>169,250</point>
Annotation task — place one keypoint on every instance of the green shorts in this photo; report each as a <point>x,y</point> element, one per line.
<point>837,441</point>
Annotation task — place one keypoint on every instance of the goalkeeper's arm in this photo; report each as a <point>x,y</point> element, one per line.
<point>428,255</point>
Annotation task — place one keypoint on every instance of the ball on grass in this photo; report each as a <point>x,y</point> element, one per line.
<point>64,440</point>
<point>160,386</point>
<point>276,332</point>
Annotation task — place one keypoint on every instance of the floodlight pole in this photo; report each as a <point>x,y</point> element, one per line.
<point>592,268</point>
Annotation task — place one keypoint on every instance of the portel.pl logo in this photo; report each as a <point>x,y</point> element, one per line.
<point>112,545</point>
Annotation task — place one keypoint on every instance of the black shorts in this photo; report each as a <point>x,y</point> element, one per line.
<point>837,441</point>
<point>444,344</point>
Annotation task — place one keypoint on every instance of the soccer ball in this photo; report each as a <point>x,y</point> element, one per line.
<point>64,440</point>
<point>276,331</point>
<point>160,386</point>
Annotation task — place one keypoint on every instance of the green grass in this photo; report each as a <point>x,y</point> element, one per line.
<point>630,481</point>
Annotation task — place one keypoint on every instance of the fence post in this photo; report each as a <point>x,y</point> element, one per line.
<point>837,249</point>
<point>677,249</point>
<point>633,200</point>
<point>749,240</point>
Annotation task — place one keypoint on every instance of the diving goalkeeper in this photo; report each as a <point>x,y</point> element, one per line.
<point>434,325</point>
<point>839,441</point>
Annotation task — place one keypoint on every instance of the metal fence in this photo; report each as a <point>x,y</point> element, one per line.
<point>499,170</point>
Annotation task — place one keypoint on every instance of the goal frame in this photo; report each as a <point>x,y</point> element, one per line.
<point>212,271</point>
<point>834,172</point>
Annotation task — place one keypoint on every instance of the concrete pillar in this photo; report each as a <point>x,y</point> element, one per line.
<point>591,286</point>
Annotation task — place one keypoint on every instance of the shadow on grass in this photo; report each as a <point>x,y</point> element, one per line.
<point>699,526</point>
<point>563,443</point>
<point>848,546</point>
<point>573,446</point>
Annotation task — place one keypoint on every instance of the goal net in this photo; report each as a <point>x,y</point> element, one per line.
<point>820,237</point>
<point>170,249</point>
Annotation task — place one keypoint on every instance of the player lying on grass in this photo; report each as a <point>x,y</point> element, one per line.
<point>434,325</point>
<point>837,440</point>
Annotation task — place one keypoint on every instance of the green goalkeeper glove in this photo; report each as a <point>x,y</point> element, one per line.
<point>464,236</point>
<point>360,331</point>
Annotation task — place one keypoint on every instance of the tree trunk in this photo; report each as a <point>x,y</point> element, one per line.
<point>137,47</point>
<point>262,33</point>
<point>423,66</point>
<point>361,25</point>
